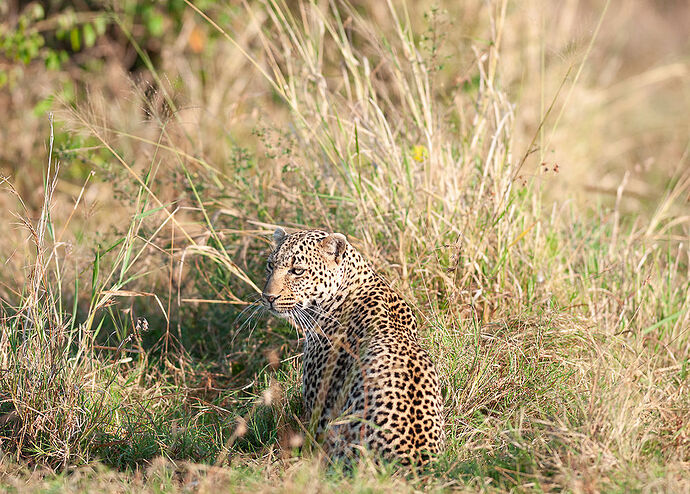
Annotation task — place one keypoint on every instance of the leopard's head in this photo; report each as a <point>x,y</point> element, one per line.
<point>304,271</point>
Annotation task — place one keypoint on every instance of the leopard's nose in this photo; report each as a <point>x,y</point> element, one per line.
<point>270,298</point>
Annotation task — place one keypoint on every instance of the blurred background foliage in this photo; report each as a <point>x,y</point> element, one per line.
<point>55,49</point>
<point>632,95</point>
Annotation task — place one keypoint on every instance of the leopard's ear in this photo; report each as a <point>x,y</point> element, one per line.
<point>334,245</point>
<point>278,236</point>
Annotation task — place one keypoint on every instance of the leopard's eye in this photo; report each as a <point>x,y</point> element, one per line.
<point>270,265</point>
<point>297,271</point>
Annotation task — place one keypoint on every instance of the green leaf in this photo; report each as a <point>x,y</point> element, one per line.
<point>665,320</point>
<point>89,35</point>
<point>99,23</point>
<point>37,12</point>
<point>155,25</point>
<point>75,39</point>
<point>43,106</point>
<point>75,307</point>
<point>52,62</point>
<point>94,275</point>
<point>118,242</point>
<point>144,214</point>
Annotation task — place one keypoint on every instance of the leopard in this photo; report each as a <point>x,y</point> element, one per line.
<point>367,383</point>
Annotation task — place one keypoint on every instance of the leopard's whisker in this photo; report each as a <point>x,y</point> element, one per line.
<point>316,328</point>
<point>247,308</point>
<point>256,309</point>
<point>260,310</point>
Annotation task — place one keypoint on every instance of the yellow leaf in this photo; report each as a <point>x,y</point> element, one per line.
<point>419,153</point>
